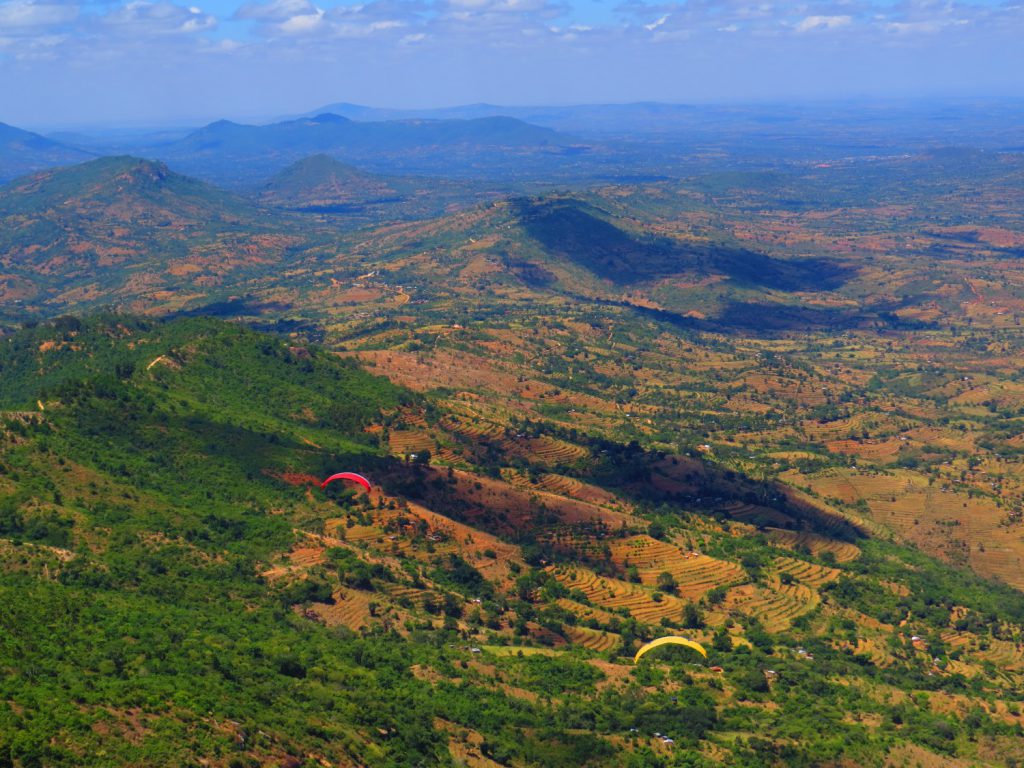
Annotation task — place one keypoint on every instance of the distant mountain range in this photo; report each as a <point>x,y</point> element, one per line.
<point>921,122</point>
<point>23,152</point>
<point>236,154</point>
<point>242,156</point>
<point>580,144</point>
<point>582,118</point>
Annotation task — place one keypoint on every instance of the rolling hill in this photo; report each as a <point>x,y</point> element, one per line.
<point>163,536</point>
<point>134,232</point>
<point>23,152</point>
<point>776,410</point>
<point>733,312</point>
<point>555,249</point>
<point>319,182</point>
<point>126,230</point>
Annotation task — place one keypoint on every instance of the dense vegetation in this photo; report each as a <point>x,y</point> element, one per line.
<point>152,474</point>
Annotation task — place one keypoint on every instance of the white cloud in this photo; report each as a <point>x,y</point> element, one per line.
<point>813,23</point>
<point>922,27</point>
<point>302,23</point>
<point>198,25</point>
<point>654,25</point>
<point>140,18</point>
<point>227,45</point>
<point>275,10</point>
<point>22,13</point>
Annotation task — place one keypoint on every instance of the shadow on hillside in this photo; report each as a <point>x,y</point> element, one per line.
<point>574,230</point>
<point>761,319</point>
<point>655,479</point>
<point>261,316</point>
<point>237,307</point>
<point>651,481</point>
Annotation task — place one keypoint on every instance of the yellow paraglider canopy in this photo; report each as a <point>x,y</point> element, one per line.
<point>670,640</point>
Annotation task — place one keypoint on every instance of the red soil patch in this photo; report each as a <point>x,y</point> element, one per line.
<point>293,478</point>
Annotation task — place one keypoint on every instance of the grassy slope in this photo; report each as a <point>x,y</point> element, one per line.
<point>159,642</point>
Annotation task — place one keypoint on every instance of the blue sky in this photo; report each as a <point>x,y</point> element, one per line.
<point>78,62</point>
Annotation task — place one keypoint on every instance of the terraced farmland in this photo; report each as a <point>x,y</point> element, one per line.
<point>412,418</point>
<point>811,574</point>
<point>406,592</point>
<point>874,649</point>
<point>584,611</point>
<point>843,551</point>
<point>561,485</point>
<point>855,486</point>
<point>404,442</point>
<point>593,639</point>
<point>1005,654</point>
<point>472,428</point>
<point>694,573</point>
<point>615,594</point>
<point>755,514</point>
<point>546,450</point>
<point>351,609</point>
<point>298,560</point>
<point>775,608</point>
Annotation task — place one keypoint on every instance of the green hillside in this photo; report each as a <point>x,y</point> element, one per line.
<point>174,589</point>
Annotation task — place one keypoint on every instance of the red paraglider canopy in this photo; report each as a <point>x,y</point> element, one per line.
<point>347,476</point>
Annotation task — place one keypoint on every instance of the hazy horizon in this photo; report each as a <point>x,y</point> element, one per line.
<point>137,126</point>
<point>159,62</point>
